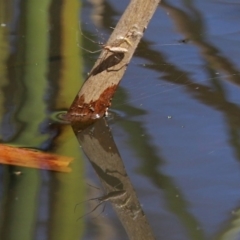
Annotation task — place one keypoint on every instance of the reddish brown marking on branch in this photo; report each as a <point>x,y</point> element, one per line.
<point>84,112</point>
<point>95,95</point>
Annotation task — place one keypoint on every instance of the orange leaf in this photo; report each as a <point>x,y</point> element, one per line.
<point>34,159</point>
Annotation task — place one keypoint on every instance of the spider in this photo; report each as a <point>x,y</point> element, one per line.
<point>109,48</point>
<point>102,199</point>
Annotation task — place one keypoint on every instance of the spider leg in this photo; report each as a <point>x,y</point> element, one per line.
<point>90,211</point>
<point>97,198</point>
<point>101,211</point>
<point>99,50</point>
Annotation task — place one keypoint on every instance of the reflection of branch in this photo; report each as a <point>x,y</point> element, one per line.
<point>214,97</point>
<point>211,96</point>
<point>98,145</point>
<point>232,231</point>
<point>152,162</point>
<point>192,28</point>
<point>147,152</point>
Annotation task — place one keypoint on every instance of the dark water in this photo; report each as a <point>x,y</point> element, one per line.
<point>174,120</point>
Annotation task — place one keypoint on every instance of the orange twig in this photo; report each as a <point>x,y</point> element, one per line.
<point>33,159</point>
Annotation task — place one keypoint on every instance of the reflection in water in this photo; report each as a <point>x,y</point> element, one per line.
<point>59,117</point>
<point>37,204</point>
<point>98,145</point>
<point>192,29</point>
<point>108,197</point>
<point>40,73</point>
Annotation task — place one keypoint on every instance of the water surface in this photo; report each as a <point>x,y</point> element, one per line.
<point>174,119</point>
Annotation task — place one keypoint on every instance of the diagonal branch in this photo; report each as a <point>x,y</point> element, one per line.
<point>94,98</point>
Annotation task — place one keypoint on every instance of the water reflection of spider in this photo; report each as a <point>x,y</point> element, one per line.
<point>102,199</point>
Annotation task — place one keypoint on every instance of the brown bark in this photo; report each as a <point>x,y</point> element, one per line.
<point>96,93</point>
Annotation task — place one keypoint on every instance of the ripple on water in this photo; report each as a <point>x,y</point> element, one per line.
<point>115,115</point>
<point>112,116</point>
<point>60,117</point>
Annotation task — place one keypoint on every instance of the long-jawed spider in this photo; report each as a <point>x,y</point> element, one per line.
<point>110,48</point>
<point>110,196</point>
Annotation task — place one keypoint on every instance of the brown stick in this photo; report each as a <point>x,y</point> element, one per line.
<point>96,93</point>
